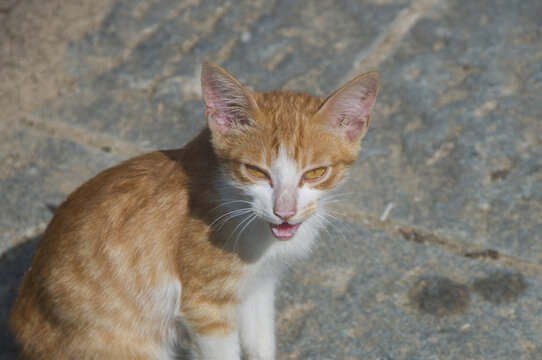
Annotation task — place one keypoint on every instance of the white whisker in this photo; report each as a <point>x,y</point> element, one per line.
<point>228,203</point>
<point>340,196</point>
<point>224,218</point>
<point>336,227</point>
<point>252,218</point>
<point>339,215</point>
<point>319,218</point>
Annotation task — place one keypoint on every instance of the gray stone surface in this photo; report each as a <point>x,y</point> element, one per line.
<point>386,298</point>
<point>149,57</point>
<point>454,152</point>
<point>38,172</point>
<point>457,140</point>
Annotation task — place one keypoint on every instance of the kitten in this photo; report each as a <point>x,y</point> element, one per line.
<point>199,234</point>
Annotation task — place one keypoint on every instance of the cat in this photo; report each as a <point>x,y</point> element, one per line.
<point>198,235</point>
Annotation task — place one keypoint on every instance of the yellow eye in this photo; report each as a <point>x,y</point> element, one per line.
<point>255,172</point>
<point>314,174</point>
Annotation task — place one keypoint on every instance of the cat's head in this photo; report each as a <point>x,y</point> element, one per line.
<point>285,150</point>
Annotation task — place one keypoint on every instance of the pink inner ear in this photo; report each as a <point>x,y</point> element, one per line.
<point>350,108</point>
<point>214,93</point>
<point>217,119</point>
<point>213,98</point>
<point>216,105</point>
<point>226,101</point>
<point>354,129</point>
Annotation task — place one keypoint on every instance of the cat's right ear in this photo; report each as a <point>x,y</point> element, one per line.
<point>347,111</point>
<point>228,104</point>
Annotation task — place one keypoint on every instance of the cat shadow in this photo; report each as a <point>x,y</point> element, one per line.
<point>199,193</point>
<point>13,265</point>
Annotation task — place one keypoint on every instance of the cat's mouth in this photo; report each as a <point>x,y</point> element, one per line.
<point>284,231</point>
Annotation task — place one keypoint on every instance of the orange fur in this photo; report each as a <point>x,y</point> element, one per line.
<point>107,260</point>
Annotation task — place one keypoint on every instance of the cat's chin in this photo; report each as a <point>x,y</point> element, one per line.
<point>284,231</point>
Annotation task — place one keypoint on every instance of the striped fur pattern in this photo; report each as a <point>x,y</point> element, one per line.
<point>198,235</point>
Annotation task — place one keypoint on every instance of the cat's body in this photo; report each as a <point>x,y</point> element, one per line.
<point>199,234</point>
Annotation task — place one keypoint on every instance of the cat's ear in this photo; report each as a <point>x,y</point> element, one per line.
<point>228,104</point>
<point>348,110</point>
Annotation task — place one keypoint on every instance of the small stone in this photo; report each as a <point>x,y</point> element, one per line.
<point>245,36</point>
<point>486,108</point>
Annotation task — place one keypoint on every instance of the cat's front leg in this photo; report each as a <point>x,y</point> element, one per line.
<point>257,322</point>
<point>216,347</point>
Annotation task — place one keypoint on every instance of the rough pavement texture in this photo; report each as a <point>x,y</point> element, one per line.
<point>452,269</point>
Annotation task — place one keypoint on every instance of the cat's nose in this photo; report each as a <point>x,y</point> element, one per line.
<point>285,215</point>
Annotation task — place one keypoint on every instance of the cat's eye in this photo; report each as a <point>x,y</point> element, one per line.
<point>315,173</point>
<point>256,172</point>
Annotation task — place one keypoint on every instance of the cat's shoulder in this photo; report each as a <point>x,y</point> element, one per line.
<point>146,171</point>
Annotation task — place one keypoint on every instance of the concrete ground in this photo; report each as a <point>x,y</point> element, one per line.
<point>440,254</point>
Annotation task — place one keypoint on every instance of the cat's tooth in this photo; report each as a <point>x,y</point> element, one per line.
<point>276,231</point>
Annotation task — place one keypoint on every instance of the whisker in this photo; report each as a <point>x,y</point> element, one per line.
<point>336,228</point>
<point>231,200</point>
<point>252,218</point>
<point>339,196</point>
<point>341,221</point>
<point>228,216</point>
<point>237,227</point>
<point>318,217</point>
<point>232,213</point>
<point>228,203</point>
<point>339,215</point>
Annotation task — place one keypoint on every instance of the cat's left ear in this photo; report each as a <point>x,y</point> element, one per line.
<point>228,104</point>
<point>348,110</point>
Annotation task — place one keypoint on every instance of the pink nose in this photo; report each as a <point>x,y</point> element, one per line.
<point>284,214</point>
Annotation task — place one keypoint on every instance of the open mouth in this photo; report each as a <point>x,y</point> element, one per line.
<point>283,231</point>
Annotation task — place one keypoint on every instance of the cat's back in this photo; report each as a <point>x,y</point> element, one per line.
<point>118,205</point>
<point>105,266</point>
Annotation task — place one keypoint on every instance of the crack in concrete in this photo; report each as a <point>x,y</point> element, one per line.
<point>424,237</point>
<point>85,137</point>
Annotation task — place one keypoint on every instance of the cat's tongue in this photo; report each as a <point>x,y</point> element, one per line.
<point>283,231</point>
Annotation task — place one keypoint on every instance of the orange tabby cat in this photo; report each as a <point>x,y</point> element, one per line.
<point>197,235</point>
